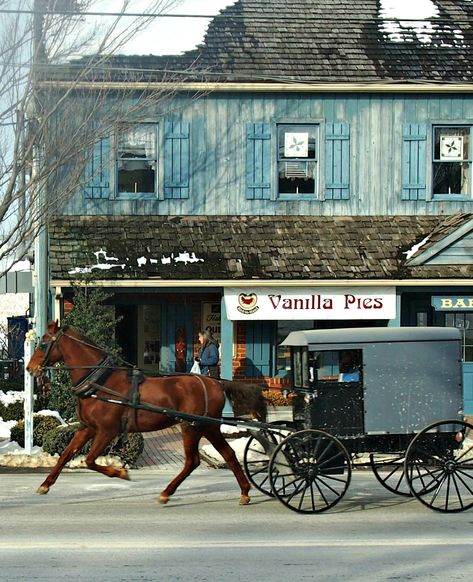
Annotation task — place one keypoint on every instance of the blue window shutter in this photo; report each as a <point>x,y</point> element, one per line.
<point>97,170</point>
<point>176,159</point>
<point>258,161</point>
<point>414,161</point>
<point>260,336</point>
<point>337,161</point>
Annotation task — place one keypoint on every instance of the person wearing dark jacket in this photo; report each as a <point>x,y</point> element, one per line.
<point>207,355</point>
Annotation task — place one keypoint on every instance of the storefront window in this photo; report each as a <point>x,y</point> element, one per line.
<point>464,322</point>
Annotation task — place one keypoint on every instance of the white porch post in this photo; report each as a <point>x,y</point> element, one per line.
<point>29,398</point>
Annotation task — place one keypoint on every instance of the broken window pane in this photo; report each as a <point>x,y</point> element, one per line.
<point>136,164</point>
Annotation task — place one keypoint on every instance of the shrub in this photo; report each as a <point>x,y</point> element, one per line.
<point>95,319</point>
<point>57,439</point>
<point>14,384</point>
<point>60,396</point>
<point>13,411</point>
<point>41,426</point>
<point>128,450</point>
<point>17,433</point>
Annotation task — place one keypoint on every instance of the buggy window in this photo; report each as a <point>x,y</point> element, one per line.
<point>335,366</point>
<point>301,368</point>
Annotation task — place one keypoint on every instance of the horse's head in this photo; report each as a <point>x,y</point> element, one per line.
<point>47,351</point>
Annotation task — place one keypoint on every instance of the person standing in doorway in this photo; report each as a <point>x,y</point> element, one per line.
<point>207,355</point>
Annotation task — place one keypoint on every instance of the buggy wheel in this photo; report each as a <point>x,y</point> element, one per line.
<point>258,451</point>
<point>389,471</point>
<point>310,471</point>
<point>439,466</point>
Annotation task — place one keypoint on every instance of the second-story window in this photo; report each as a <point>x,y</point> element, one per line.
<point>137,159</point>
<point>297,159</point>
<point>452,160</point>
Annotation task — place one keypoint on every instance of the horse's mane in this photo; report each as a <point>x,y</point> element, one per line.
<point>83,337</point>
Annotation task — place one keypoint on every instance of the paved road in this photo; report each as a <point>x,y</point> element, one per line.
<point>90,528</point>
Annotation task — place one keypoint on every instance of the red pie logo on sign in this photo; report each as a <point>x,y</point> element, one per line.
<point>247,303</point>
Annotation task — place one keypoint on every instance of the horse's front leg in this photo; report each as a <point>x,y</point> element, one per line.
<point>101,440</point>
<point>77,442</point>
<point>190,437</point>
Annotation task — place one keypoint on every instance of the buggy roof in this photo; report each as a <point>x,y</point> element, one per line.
<point>314,337</point>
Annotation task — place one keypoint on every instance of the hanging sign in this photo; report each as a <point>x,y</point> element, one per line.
<point>261,303</point>
<point>453,303</point>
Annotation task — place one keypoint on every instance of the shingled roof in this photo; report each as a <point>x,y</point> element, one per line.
<point>323,41</point>
<point>246,247</point>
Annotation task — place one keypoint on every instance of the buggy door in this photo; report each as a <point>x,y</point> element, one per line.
<point>337,388</point>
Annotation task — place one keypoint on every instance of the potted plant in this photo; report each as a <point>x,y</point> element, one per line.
<point>279,405</point>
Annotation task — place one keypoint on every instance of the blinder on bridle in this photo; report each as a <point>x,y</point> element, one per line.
<point>47,346</point>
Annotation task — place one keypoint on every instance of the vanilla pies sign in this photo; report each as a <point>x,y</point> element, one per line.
<point>262,303</point>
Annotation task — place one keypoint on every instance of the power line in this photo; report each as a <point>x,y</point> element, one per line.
<point>246,17</point>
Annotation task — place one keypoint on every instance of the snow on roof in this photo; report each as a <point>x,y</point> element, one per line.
<point>419,23</point>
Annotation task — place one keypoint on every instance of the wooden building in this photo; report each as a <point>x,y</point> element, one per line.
<point>313,168</point>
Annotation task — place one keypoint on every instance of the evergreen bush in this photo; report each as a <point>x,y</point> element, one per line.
<point>128,450</point>
<point>13,411</point>
<point>41,426</point>
<point>96,320</point>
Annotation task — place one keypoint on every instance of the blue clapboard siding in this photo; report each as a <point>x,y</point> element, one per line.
<point>384,168</point>
<point>458,253</point>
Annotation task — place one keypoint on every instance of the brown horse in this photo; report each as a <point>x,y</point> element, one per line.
<point>103,421</point>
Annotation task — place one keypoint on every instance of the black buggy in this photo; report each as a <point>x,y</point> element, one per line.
<point>388,398</point>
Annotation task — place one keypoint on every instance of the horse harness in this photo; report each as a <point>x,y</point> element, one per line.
<point>92,382</point>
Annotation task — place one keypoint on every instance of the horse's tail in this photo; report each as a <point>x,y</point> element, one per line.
<point>246,399</point>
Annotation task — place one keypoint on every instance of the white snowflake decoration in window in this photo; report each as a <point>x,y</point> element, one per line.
<point>451,147</point>
<point>296,145</point>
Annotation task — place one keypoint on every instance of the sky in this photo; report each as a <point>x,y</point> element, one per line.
<point>169,36</point>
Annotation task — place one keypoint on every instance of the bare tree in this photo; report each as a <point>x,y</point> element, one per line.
<point>47,128</point>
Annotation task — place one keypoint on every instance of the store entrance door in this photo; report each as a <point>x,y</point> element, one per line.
<point>176,333</point>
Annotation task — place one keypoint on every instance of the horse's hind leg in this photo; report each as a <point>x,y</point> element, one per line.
<point>77,442</point>
<point>190,439</point>
<point>219,442</point>
<point>101,440</point>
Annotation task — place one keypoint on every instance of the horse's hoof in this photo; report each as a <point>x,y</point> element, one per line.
<point>163,499</point>
<point>42,490</point>
<point>244,499</point>
<point>124,475</point>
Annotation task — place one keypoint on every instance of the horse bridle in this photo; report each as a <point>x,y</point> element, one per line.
<point>47,346</point>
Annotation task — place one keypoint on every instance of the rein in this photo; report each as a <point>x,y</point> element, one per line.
<point>91,383</point>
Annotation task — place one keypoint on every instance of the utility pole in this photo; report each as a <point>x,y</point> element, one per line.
<point>41,262</point>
